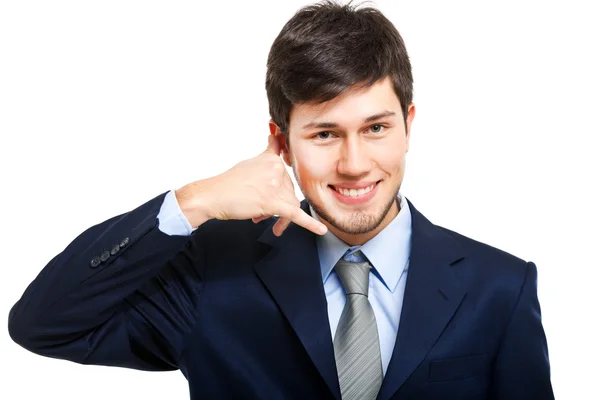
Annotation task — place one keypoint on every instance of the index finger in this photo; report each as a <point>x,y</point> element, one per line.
<point>299,217</point>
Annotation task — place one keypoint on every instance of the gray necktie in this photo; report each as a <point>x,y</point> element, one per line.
<point>356,343</point>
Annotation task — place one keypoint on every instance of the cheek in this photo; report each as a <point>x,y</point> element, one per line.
<point>391,157</point>
<point>310,166</point>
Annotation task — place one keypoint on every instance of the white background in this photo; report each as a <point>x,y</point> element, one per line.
<point>104,105</point>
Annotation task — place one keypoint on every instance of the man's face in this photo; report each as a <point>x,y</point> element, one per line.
<point>348,157</point>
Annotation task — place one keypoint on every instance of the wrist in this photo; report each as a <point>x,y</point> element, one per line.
<point>194,202</point>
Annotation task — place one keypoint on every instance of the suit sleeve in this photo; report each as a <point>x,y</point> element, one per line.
<point>522,367</point>
<point>122,293</point>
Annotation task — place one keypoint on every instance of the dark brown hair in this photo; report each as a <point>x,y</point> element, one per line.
<point>325,49</point>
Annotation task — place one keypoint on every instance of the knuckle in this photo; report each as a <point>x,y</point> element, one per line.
<point>294,214</point>
<point>263,203</point>
<point>292,199</point>
<point>277,166</point>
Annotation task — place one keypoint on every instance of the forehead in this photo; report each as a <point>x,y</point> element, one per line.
<point>350,107</point>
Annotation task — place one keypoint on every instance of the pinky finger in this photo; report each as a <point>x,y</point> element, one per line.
<point>298,216</point>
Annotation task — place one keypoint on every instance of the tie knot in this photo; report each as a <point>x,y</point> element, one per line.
<point>354,275</point>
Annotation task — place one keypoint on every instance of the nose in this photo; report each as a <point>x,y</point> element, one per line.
<point>354,158</point>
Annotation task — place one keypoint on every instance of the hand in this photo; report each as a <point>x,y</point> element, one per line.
<point>256,189</point>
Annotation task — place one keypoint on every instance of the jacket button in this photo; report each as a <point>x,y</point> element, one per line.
<point>95,262</point>
<point>114,250</point>
<point>124,242</point>
<point>105,255</point>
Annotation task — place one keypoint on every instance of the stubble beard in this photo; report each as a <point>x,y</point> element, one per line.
<point>358,222</point>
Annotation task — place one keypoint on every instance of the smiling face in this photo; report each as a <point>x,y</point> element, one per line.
<point>348,157</point>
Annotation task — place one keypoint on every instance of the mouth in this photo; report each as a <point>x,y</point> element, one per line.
<point>354,195</point>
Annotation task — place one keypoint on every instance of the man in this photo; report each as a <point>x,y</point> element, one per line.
<point>349,294</point>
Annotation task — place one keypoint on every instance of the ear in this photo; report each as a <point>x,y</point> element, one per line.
<point>283,142</point>
<point>409,119</point>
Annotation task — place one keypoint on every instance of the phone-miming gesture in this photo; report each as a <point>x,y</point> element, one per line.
<point>257,188</point>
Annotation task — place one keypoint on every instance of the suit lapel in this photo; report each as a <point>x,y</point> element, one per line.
<point>433,293</point>
<point>291,272</point>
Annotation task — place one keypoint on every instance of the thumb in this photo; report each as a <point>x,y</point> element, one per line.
<point>273,146</point>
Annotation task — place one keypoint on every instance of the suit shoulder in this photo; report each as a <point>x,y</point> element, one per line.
<point>489,261</point>
<point>475,247</point>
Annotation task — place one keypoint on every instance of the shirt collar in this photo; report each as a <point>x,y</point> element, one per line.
<point>388,252</point>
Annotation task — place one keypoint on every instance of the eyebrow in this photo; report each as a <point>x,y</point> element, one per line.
<point>328,125</point>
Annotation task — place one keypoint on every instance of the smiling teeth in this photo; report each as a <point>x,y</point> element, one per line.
<point>354,192</point>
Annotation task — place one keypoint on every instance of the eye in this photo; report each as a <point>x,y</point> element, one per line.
<point>323,135</point>
<point>376,128</point>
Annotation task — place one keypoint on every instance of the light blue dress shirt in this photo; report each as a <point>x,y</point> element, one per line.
<point>388,252</point>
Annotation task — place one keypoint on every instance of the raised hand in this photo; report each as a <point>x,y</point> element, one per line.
<point>256,189</point>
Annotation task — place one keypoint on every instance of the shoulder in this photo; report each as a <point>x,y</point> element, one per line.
<point>480,250</point>
<point>488,266</point>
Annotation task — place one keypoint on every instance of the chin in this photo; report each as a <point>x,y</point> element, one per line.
<point>352,222</point>
<point>359,224</point>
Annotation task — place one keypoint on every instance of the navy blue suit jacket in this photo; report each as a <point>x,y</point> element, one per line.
<point>243,314</point>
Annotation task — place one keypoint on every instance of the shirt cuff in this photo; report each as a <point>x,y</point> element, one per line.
<point>171,218</point>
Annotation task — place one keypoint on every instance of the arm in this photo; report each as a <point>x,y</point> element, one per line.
<point>129,310</point>
<point>124,292</point>
<point>522,367</point>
